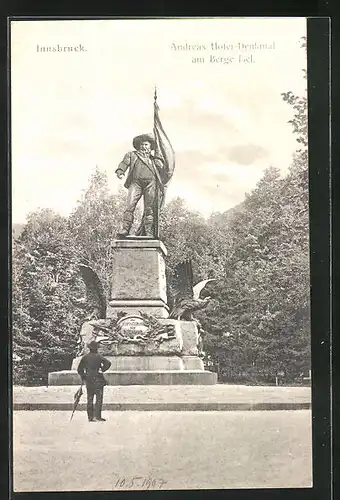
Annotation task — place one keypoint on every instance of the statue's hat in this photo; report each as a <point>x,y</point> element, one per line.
<point>143,138</point>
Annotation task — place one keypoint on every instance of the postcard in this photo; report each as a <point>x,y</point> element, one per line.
<point>161,275</point>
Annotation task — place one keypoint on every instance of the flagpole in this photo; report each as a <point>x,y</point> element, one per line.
<point>156,215</point>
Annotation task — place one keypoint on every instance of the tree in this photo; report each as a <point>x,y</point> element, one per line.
<point>94,225</point>
<point>260,326</point>
<point>45,322</point>
<point>187,235</point>
<point>46,256</point>
<point>262,323</point>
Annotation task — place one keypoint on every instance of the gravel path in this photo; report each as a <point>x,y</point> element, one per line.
<point>162,450</point>
<point>219,393</point>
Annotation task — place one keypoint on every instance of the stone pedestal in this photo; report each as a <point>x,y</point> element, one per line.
<point>138,277</point>
<point>172,362</point>
<point>144,346</point>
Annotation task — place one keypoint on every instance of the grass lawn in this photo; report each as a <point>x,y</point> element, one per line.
<point>162,450</point>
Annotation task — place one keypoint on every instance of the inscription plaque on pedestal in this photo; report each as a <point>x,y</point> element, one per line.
<point>132,325</point>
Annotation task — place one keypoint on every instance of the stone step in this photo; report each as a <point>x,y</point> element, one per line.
<point>151,377</point>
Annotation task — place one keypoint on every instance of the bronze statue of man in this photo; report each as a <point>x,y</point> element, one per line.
<point>145,178</point>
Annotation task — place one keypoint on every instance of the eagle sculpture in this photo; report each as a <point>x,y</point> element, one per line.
<point>186,296</point>
<point>95,299</point>
<point>95,302</point>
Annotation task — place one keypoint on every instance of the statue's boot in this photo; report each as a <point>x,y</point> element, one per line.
<point>126,225</point>
<point>148,225</point>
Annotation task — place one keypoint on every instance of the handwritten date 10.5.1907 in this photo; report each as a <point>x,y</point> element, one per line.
<point>139,482</point>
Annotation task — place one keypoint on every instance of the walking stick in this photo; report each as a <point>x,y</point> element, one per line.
<point>77,397</point>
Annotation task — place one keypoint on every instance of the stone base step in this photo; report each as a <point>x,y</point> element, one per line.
<point>166,377</point>
<point>150,363</point>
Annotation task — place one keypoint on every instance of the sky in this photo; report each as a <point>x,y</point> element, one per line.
<point>219,83</point>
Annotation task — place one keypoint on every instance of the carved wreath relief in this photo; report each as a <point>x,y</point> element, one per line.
<point>139,329</point>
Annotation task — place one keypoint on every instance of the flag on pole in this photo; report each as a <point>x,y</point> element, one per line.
<point>163,149</point>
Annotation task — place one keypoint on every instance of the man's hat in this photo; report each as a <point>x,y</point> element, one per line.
<point>143,138</point>
<point>92,345</point>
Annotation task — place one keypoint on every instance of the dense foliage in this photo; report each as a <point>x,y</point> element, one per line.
<point>256,327</point>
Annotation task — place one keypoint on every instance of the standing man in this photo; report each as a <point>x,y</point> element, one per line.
<point>91,369</point>
<point>144,179</point>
